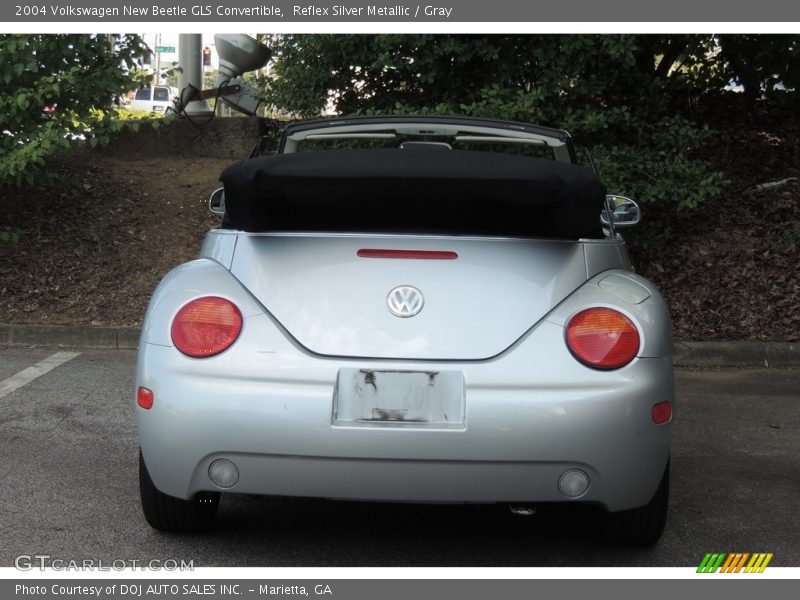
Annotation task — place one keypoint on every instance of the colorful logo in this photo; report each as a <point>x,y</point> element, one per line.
<point>735,562</point>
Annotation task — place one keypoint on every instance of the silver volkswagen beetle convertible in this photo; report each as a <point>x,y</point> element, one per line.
<point>410,309</point>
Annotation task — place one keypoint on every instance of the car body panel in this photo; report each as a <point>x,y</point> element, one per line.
<point>334,302</point>
<point>531,425</point>
<point>531,412</point>
<point>219,245</point>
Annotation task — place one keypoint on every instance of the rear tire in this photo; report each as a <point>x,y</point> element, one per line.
<point>640,526</point>
<point>170,514</point>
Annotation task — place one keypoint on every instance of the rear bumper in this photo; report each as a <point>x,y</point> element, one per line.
<point>530,414</point>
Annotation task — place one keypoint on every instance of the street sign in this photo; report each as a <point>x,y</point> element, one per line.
<point>165,48</point>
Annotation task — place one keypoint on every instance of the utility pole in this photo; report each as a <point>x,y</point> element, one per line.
<point>157,66</point>
<point>190,59</point>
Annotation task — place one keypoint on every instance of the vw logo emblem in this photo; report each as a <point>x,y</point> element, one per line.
<point>405,301</point>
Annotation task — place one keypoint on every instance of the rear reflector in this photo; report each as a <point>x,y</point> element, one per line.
<point>206,326</point>
<point>408,254</point>
<point>144,398</point>
<point>223,473</point>
<point>602,338</point>
<point>661,413</point>
<point>573,483</point>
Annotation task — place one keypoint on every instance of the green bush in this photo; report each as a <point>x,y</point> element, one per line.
<point>81,75</point>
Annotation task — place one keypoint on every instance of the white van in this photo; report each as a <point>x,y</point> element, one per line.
<point>154,99</point>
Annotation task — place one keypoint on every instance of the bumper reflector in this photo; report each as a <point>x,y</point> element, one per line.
<point>573,483</point>
<point>144,398</point>
<point>661,413</point>
<point>223,473</point>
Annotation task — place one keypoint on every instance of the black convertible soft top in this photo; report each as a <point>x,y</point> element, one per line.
<point>426,189</point>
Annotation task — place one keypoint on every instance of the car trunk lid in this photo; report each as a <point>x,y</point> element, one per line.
<point>478,295</point>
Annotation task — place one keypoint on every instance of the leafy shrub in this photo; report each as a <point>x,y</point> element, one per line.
<point>629,98</point>
<point>79,77</point>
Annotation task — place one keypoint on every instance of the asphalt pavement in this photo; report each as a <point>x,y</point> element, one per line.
<point>68,452</point>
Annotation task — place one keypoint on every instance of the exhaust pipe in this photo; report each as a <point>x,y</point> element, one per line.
<point>522,510</point>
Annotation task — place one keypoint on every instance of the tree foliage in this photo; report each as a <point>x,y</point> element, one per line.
<point>630,98</point>
<point>761,63</point>
<point>78,75</point>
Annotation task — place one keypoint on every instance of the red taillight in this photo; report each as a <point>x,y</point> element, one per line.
<point>661,413</point>
<point>602,338</point>
<point>144,398</point>
<point>206,326</point>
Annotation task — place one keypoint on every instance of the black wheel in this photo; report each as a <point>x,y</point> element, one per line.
<point>167,513</point>
<point>641,526</point>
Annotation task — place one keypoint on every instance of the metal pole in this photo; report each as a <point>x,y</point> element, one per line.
<point>157,59</point>
<point>190,59</point>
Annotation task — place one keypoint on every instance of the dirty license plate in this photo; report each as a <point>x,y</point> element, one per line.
<point>425,399</point>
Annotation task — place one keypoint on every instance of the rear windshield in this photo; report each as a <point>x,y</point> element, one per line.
<point>161,94</point>
<point>143,94</point>
<point>397,140</point>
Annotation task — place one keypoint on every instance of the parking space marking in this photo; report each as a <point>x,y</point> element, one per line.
<point>27,375</point>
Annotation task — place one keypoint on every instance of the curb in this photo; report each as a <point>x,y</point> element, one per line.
<point>685,354</point>
<point>736,354</point>
<point>70,336</point>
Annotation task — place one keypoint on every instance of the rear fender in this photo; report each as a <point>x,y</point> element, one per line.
<point>634,296</point>
<point>192,280</point>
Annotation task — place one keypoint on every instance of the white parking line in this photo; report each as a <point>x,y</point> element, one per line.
<point>27,375</point>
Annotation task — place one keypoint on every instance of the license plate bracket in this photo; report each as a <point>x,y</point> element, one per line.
<point>405,399</point>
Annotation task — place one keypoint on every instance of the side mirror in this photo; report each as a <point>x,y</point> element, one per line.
<point>216,202</point>
<point>620,211</point>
